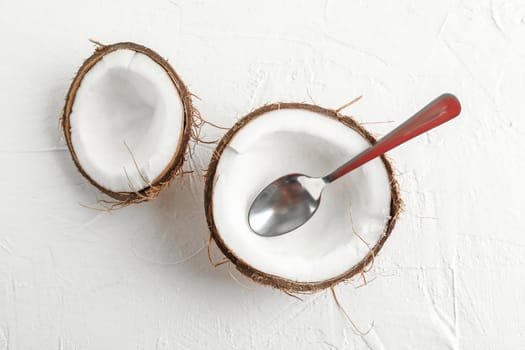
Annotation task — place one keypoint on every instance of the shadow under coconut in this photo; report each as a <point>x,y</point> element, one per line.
<point>175,232</point>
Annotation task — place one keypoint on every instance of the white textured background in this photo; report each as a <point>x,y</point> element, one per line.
<point>452,275</point>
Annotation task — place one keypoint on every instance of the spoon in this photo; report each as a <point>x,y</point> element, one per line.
<point>291,200</point>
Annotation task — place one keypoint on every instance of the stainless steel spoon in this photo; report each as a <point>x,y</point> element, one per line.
<point>291,200</point>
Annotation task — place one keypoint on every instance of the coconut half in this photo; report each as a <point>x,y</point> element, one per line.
<point>127,121</point>
<point>356,215</point>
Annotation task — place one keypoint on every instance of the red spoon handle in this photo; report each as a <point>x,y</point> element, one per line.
<point>437,112</point>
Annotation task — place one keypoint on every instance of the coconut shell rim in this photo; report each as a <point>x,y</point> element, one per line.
<point>176,162</point>
<point>278,282</point>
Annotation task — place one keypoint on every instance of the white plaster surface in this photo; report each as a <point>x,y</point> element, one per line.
<point>450,277</point>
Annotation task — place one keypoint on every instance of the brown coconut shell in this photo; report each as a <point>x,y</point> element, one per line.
<point>174,167</point>
<point>276,281</point>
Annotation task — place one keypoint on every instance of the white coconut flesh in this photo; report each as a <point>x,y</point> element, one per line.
<point>126,110</point>
<point>300,141</point>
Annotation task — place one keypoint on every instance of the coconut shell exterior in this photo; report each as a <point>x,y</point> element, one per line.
<point>276,281</point>
<point>174,167</point>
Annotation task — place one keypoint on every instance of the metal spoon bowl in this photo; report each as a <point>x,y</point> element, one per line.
<point>291,200</point>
